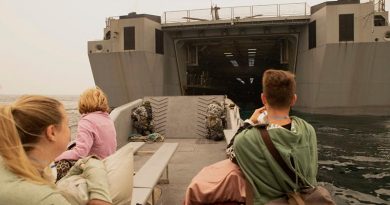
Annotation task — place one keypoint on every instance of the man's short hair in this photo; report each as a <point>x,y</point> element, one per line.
<point>279,88</point>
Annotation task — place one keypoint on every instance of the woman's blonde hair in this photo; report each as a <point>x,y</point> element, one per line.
<point>93,100</point>
<point>21,126</point>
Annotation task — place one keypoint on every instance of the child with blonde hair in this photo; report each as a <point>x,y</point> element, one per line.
<point>96,133</point>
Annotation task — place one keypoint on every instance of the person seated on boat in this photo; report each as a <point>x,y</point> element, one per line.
<point>142,117</point>
<point>214,128</point>
<point>215,121</point>
<point>96,133</point>
<point>33,131</point>
<point>293,137</point>
<point>251,175</point>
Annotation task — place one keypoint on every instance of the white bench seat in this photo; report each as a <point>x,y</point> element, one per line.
<point>140,196</point>
<point>136,146</point>
<point>229,135</point>
<point>151,171</point>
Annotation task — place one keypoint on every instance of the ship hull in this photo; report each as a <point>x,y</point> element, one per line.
<point>345,78</point>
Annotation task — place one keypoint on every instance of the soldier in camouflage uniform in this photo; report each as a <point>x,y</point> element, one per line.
<point>215,117</point>
<point>142,117</point>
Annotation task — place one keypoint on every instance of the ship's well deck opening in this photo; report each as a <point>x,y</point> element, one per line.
<point>234,66</point>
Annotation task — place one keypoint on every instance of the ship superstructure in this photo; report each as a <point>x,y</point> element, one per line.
<point>338,50</point>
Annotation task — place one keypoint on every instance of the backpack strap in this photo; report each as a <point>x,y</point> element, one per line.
<point>275,153</point>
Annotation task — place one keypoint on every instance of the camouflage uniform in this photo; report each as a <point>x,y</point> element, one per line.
<point>149,111</point>
<point>215,121</point>
<point>143,119</point>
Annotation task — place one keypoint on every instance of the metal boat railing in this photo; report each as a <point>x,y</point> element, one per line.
<point>379,5</point>
<point>235,13</point>
<point>243,12</point>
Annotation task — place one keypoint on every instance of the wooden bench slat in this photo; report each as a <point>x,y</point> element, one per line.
<point>151,171</point>
<point>229,135</point>
<point>140,195</point>
<point>136,145</point>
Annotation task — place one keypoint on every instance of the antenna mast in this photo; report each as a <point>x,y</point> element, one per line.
<point>379,5</point>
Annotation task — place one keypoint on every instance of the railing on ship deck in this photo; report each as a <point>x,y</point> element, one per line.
<point>235,13</point>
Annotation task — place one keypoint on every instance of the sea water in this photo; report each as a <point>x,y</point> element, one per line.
<point>353,151</point>
<point>69,101</point>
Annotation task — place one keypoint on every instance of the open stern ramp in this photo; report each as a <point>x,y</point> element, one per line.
<point>181,116</point>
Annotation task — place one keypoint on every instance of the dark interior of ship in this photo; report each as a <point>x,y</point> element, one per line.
<point>232,67</point>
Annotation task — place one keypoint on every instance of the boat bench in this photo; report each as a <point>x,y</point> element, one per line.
<point>229,135</point>
<point>136,146</point>
<point>150,173</point>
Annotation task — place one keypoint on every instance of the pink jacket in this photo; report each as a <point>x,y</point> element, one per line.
<point>96,135</point>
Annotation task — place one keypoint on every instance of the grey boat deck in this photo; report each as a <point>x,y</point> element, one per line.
<point>194,151</point>
<point>190,157</point>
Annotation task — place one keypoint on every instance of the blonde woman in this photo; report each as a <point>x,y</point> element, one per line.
<point>33,131</point>
<point>96,133</point>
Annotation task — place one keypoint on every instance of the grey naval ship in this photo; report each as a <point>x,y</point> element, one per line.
<point>185,60</point>
<point>338,50</point>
